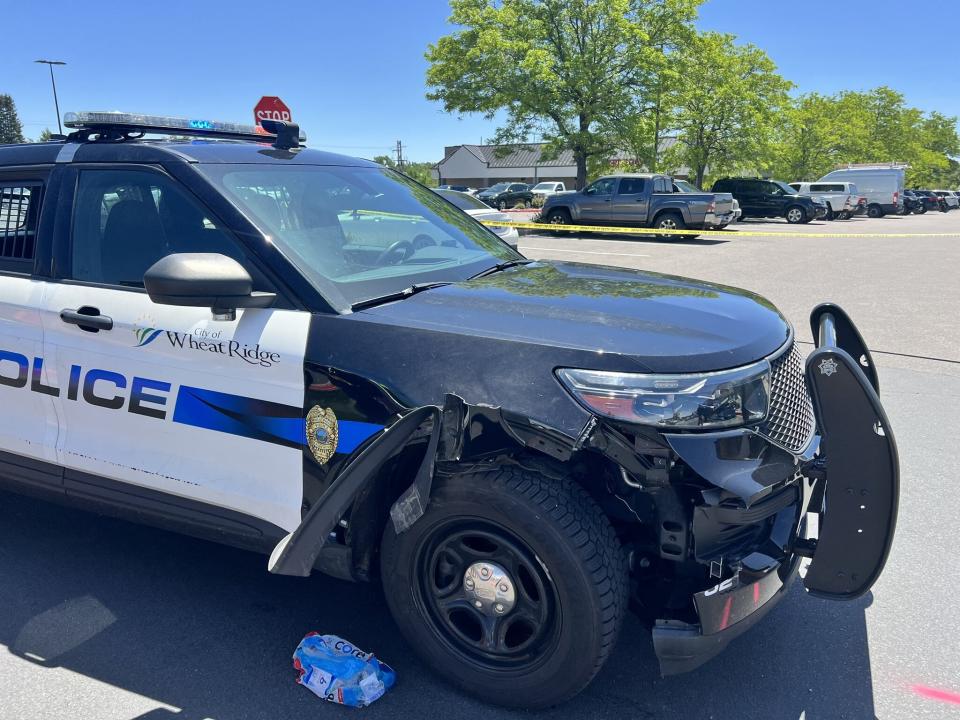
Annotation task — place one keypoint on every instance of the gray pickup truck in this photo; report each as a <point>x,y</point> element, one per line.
<point>638,199</point>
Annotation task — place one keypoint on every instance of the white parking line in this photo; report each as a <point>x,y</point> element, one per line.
<point>583,252</point>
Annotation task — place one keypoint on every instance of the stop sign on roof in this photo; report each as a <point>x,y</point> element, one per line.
<point>270,107</point>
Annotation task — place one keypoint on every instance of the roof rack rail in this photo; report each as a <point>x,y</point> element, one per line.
<point>130,126</point>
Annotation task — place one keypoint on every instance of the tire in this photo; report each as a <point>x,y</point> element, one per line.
<point>875,211</point>
<point>830,215</point>
<point>502,205</point>
<point>670,221</point>
<point>555,545</point>
<point>560,216</point>
<point>795,215</point>
<point>920,210</point>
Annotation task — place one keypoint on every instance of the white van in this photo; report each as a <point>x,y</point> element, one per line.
<point>882,185</point>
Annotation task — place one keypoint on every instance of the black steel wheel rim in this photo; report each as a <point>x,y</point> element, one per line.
<point>520,639</point>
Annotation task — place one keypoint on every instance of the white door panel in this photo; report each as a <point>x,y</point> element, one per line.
<point>28,421</point>
<point>172,400</point>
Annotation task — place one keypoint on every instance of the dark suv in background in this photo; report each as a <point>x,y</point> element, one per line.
<point>770,198</point>
<point>507,195</point>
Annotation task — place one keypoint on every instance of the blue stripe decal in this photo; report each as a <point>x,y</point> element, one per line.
<point>352,433</point>
<point>260,419</point>
<point>239,415</point>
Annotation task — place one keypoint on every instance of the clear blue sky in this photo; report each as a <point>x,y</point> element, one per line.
<point>353,72</point>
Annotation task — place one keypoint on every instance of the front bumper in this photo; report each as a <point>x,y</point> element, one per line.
<point>734,605</point>
<point>850,479</point>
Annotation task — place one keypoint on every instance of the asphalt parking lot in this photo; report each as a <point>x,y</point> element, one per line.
<point>106,619</point>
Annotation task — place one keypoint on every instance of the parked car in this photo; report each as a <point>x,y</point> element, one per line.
<point>771,198</point>
<point>480,212</point>
<point>913,203</point>
<point>546,188</point>
<point>882,185</point>
<point>311,356</point>
<point>949,198</point>
<point>841,198</point>
<point>458,188</point>
<point>507,195</point>
<point>638,199</point>
<point>932,200</point>
<point>683,186</point>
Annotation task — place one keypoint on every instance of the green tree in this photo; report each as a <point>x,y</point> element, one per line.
<point>419,171</point>
<point>729,105</point>
<point>10,129</point>
<point>45,135</point>
<point>558,69</point>
<point>810,140</point>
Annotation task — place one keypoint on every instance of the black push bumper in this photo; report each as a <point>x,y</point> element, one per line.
<point>853,485</point>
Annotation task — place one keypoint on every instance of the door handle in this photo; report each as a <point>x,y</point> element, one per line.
<point>87,318</point>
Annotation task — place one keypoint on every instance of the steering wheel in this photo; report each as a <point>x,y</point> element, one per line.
<point>400,246</point>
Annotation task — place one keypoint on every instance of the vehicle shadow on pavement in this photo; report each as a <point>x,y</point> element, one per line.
<point>206,629</point>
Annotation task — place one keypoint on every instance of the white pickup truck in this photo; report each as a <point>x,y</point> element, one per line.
<point>841,198</point>
<point>548,188</point>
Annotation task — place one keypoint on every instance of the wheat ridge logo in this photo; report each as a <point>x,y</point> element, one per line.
<point>209,341</point>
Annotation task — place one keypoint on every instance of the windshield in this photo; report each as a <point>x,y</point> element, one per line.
<point>360,232</point>
<point>545,186</point>
<point>499,187</point>
<point>463,201</point>
<point>786,188</point>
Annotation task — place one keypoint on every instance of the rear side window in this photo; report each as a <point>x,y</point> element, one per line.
<point>632,186</point>
<point>19,211</point>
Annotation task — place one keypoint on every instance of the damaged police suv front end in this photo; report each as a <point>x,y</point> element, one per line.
<point>752,469</point>
<point>519,450</point>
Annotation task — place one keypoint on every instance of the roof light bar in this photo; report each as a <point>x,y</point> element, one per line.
<point>160,124</point>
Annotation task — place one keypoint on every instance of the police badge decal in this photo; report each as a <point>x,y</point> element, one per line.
<point>322,433</point>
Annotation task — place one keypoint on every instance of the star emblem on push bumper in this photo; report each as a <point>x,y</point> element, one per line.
<point>828,366</point>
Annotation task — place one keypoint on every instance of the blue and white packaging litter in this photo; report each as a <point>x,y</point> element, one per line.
<point>340,672</point>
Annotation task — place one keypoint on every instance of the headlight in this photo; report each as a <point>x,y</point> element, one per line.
<point>685,402</point>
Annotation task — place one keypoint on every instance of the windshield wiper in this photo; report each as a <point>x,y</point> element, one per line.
<point>500,266</point>
<point>398,295</point>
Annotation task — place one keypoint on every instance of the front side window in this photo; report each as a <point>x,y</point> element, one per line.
<point>359,232</point>
<point>126,220</point>
<point>604,186</point>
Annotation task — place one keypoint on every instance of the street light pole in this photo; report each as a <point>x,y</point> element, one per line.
<point>53,82</point>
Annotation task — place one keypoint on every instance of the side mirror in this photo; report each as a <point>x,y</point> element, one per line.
<point>204,280</point>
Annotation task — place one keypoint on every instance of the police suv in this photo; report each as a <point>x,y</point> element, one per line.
<point>318,358</point>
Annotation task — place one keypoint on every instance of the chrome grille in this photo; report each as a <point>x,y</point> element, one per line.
<point>790,422</point>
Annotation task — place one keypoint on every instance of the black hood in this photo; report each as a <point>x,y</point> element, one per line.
<point>602,317</point>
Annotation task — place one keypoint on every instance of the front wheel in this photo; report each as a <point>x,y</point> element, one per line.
<point>795,215</point>
<point>560,216</point>
<point>875,211</point>
<point>502,205</point>
<point>512,585</point>
<point>830,215</point>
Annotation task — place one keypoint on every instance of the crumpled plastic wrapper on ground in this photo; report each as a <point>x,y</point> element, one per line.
<point>340,672</point>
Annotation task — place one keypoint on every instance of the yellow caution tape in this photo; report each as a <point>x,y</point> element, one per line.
<point>549,227</point>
